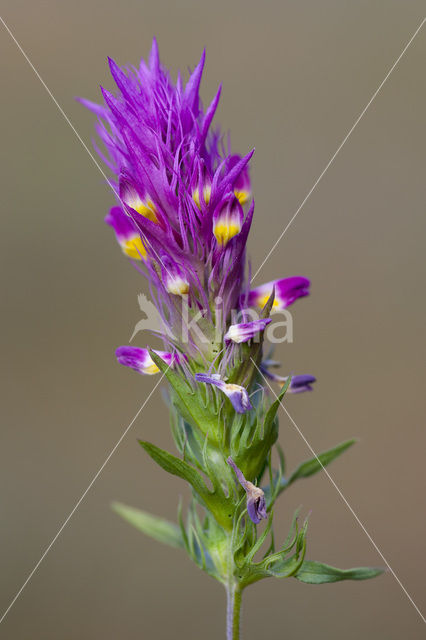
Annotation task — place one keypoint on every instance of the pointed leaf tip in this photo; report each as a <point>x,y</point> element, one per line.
<point>157,528</point>
<point>314,465</point>
<point>319,573</point>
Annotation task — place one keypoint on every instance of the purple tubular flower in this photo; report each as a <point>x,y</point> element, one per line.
<point>140,360</point>
<point>174,277</point>
<point>227,221</point>
<point>127,234</point>
<point>256,506</point>
<point>298,384</point>
<point>244,331</point>
<point>287,290</point>
<point>242,185</point>
<point>131,197</point>
<point>301,383</point>
<point>236,394</point>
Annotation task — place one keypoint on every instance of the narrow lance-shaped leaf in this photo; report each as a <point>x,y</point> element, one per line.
<point>152,526</point>
<point>314,465</point>
<point>272,411</point>
<point>318,573</point>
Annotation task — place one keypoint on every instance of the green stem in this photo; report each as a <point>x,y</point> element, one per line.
<point>233,611</point>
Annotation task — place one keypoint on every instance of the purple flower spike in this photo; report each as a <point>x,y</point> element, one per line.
<point>244,331</point>
<point>181,188</point>
<point>140,360</point>
<point>287,290</point>
<point>256,506</point>
<point>236,394</point>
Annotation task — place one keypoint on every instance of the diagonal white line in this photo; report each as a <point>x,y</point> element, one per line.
<point>339,148</point>
<point>98,166</point>
<point>343,497</point>
<point>80,500</point>
<point>56,103</point>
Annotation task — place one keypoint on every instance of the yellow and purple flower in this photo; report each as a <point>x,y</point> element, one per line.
<point>126,233</point>
<point>242,185</point>
<point>287,291</point>
<point>141,361</point>
<point>227,221</point>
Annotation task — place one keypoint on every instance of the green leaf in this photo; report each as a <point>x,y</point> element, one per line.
<point>272,411</point>
<point>217,503</point>
<point>177,467</point>
<point>318,573</point>
<point>187,401</point>
<point>153,526</point>
<point>314,465</point>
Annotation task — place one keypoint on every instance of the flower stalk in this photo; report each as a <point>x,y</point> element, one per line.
<point>182,215</point>
<point>233,611</point>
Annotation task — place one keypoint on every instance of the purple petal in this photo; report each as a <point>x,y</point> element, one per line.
<point>140,359</point>
<point>301,383</point>
<point>287,290</point>
<point>237,395</point>
<point>256,506</point>
<point>244,331</point>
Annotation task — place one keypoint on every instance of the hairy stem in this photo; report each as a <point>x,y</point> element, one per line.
<point>233,611</point>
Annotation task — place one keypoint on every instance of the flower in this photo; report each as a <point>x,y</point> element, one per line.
<point>236,394</point>
<point>174,277</point>
<point>127,235</point>
<point>131,198</point>
<point>256,506</point>
<point>244,331</point>
<point>242,186</point>
<point>298,384</point>
<point>287,290</point>
<point>227,221</point>
<point>141,361</point>
<point>301,383</point>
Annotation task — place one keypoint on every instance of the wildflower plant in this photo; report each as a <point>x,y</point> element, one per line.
<point>183,214</point>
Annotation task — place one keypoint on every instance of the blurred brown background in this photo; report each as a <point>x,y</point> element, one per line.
<point>296,75</point>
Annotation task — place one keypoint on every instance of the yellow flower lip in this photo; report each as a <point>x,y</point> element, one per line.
<point>151,369</point>
<point>144,208</point>
<point>134,248</point>
<point>224,231</point>
<point>242,195</point>
<point>264,299</point>
<point>207,192</point>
